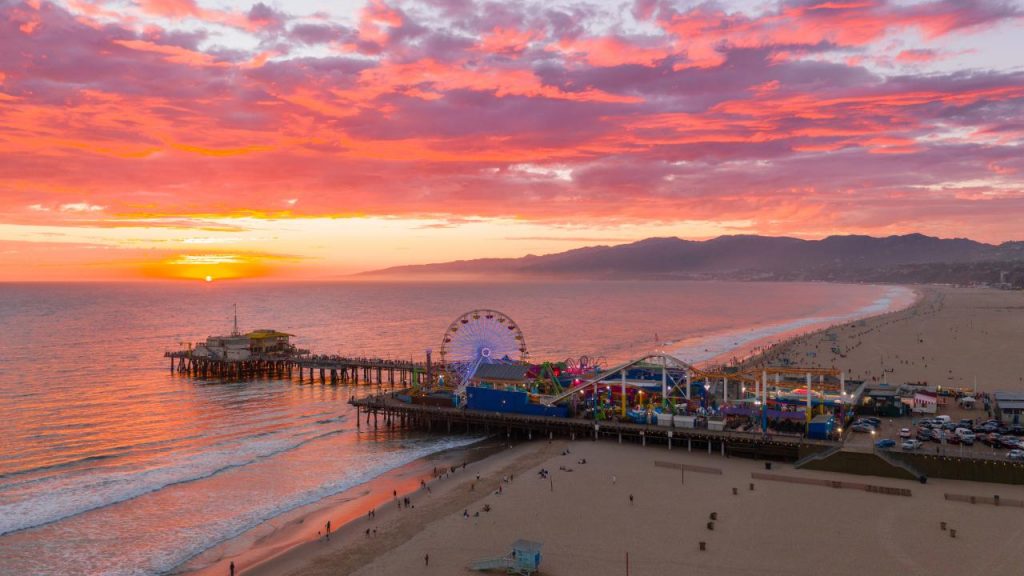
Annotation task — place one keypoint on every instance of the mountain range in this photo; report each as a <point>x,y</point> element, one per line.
<point>906,258</point>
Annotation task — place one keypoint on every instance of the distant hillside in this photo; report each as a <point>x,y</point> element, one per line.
<point>909,258</point>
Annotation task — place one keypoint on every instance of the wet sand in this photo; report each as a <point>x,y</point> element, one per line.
<point>350,547</point>
<point>288,533</point>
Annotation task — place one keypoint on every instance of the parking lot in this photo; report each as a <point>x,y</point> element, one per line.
<point>889,428</point>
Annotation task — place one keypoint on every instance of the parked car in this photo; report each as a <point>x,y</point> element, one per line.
<point>967,437</point>
<point>1010,442</point>
<point>924,434</point>
<point>885,443</point>
<point>1015,454</point>
<point>861,428</point>
<point>1017,430</point>
<point>904,432</point>
<point>876,421</point>
<point>937,435</point>
<point>911,444</point>
<point>988,439</point>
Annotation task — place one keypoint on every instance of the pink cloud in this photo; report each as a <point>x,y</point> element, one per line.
<point>917,55</point>
<point>409,111</point>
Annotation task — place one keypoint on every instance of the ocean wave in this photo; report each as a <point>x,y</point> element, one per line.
<point>357,473</point>
<point>55,498</point>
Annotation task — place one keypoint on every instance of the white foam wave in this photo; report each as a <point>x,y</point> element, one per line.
<point>58,497</point>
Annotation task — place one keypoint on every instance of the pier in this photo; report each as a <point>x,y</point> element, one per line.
<point>307,368</point>
<point>386,410</point>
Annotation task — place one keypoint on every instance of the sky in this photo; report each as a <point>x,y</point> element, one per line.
<point>306,140</point>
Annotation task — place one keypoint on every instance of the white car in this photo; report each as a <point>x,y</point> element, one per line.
<point>904,432</point>
<point>1015,454</point>
<point>911,444</point>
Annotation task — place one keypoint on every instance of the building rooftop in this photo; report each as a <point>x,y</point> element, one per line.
<point>266,333</point>
<point>1009,396</point>
<point>501,372</point>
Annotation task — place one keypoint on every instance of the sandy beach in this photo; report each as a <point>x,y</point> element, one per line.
<point>949,338</point>
<point>583,514</point>
<point>350,547</point>
<point>588,524</point>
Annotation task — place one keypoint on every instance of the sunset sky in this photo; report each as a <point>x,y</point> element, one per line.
<point>310,140</point>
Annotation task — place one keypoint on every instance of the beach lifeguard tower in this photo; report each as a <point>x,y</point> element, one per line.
<point>524,559</point>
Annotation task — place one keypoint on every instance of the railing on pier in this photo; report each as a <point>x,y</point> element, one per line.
<point>739,443</point>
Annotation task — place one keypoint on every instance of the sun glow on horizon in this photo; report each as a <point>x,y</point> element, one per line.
<point>207,267</point>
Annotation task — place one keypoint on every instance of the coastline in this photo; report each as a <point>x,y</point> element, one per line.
<point>351,547</point>
<point>597,527</point>
<point>277,536</point>
<point>288,543</point>
<point>742,348</point>
<point>765,350</point>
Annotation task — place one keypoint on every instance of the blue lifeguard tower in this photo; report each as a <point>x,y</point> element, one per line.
<point>524,559</point>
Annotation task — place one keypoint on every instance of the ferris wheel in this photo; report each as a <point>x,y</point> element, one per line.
<point>480,337</point>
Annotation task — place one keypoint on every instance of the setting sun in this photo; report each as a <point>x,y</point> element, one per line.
<point>207,267</point>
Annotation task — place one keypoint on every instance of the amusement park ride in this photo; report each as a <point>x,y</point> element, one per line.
<point>479,337</point>
<point>658,380</point>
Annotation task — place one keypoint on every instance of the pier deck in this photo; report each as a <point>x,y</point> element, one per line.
<point>521,426</point>
<point>326,369</point>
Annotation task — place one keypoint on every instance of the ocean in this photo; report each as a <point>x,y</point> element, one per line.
<point>112,465</point>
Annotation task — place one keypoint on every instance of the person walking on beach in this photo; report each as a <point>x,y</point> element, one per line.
<point>630,499</point>
<point>426,559</point>
<point>328,529</point>
<point>232,568</point>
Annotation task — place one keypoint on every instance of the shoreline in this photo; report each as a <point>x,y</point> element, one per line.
<point>278,536</point>
<point>285,541</point>
<point>361,539</point>
<point>743,348</point>
<point>768,351</point>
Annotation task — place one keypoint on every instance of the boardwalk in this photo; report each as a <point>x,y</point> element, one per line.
<point>383,409</point>
<point>322,368</point>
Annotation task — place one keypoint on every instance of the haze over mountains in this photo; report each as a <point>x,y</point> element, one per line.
<point>908,258</point>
